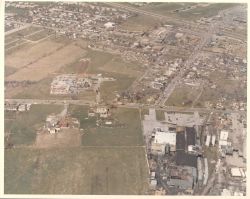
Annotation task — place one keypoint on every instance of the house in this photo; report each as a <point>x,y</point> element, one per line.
<point>102,111</point>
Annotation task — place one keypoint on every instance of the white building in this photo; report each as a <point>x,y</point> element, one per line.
<point>223,139</point>
<point>109,25</point>
<point>238,172</point>
<point>164,138</point>
<point>223,135</point>
<point>208,138</point>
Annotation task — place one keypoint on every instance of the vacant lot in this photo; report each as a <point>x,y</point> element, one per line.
<point>23,126</point>
<point>30,54</point>
<point>76,171</point>
<point>49,64</point>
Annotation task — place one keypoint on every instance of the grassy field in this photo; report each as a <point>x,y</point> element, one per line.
<point>227,88</point>
<point>76,171</point>
<point>117,65</point>
<point>112,66</point>
<point>110,89</point>
<point>207,11</point>
<point>22,33</point>
<point>43,69</point>
<point>182,96</point>
<point>160,116</point>
<point>9,70</point>
<point>129,134</point>
<point>109,161</point>
<point>201,10</point>
<point>140,23</point>
<point>23,127</point>
<point>39,35</point>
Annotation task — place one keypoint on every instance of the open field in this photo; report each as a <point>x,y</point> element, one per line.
<point>108,65</point>
<point>39,35</point>
<point>30,54</point>
<point>23,127</point>
<point>128,133</point>
<point>53,56</point>
<point>226,88</point>
<point>66,138</point>
<point>183,96</point>
<point>110,89</point>
<point>9,70</point>
<point>22,33</point>
<point>43,67</point>
<point>188,12</point>
<point>160,116</point>
<point>109,161</point>
<point>117,65</point>
<point>76,171</point>
<point>206,11</point>
<point>41,90</point>
<point>140,23</point>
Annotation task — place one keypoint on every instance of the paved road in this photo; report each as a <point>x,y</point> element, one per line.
<point>135,10</point>
<point>214,28</point>
<point>134,105</point>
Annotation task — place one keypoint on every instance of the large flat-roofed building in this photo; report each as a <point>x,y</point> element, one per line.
<point>163,142</point>
<point>180,141</point>
<point>165,138</point>
<point>182,177</point>
<point>184,159</point>
<point>184,140</point>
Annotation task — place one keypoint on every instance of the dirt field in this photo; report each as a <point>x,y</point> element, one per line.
<point>30,54</point>
<point>65,138</point>
<point>48,65</point>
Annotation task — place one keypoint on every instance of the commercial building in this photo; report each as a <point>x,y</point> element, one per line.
<point>163,142</point>
<point>182,177</point>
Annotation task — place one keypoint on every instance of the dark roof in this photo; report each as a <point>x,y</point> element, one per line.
<point>191,135</point>
<point>180,141</point>
<point>185,159</point>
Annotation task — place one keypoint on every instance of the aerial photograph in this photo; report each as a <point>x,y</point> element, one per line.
<point>125,98</point>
